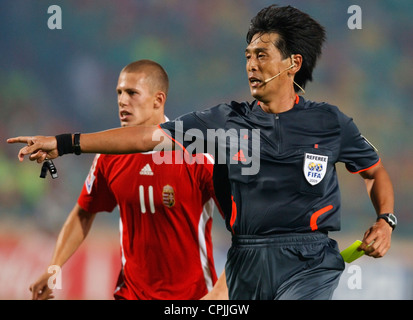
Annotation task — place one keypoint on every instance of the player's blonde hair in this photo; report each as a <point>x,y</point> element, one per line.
<point>156,74</point>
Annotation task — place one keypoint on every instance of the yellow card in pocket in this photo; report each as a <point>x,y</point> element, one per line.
<point>351,253</point>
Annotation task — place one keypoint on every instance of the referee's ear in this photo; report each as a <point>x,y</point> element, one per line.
<point>296,62</point>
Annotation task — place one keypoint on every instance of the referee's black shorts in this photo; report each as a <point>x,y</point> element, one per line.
<point>292,266</point>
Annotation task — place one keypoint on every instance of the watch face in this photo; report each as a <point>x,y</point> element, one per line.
<point>392,219</point>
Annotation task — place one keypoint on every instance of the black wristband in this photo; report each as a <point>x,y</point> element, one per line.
<point>76,144</point>
<point>64,144</point>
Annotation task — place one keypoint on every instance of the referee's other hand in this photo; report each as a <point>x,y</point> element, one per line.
<point>377,239</point>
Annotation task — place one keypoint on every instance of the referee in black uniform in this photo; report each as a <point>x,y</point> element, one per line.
<point>280,214</point>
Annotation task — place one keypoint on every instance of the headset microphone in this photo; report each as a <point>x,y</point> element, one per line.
<point>272,78</point>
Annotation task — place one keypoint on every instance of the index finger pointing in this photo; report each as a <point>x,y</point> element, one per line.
<point>19,140</point>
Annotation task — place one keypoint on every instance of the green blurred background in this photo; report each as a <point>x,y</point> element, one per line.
<point>57,81</point>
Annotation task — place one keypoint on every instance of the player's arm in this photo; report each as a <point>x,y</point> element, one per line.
<point>72,234</point>
<point>377,239</point>
<point>114,141</point>
<point>219,291</point>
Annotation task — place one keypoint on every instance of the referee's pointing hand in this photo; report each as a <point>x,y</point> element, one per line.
<point>38,148</point>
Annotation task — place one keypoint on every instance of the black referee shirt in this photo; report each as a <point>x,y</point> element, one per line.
<point>281,167</point>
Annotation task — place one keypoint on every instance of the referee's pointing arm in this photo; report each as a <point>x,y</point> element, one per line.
<point>114,141</point>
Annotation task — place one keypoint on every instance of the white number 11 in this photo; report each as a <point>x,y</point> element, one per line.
<point>150,197</point>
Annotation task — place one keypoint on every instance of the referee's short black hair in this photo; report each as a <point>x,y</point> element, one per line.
<point>298,34</point>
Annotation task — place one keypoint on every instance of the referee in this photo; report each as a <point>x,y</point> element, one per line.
<point>280,216</point>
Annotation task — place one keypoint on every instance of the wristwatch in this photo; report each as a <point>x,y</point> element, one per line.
<point>389,218</point>
<point>76,143</point>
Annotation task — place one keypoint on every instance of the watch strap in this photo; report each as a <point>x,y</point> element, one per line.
<point>76,144</point>
<point>390,218</point>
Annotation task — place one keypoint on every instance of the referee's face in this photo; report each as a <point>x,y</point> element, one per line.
<point>138,102</point>
<point>264,61</point>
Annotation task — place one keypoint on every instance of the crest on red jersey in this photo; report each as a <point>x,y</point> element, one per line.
<point>168,196</point>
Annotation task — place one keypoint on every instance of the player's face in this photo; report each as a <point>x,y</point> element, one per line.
<point>136,100</point>
<point>264,61</point>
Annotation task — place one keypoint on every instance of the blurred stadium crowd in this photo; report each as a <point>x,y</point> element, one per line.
<point>56,81</point>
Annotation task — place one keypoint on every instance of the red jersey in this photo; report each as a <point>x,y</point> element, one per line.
<point>165,222</point>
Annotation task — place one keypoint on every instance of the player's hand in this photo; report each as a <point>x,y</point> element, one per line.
<point>377,239</point>
<point>38,148</point>
<point>219,291</point>
<point>40,289</point>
